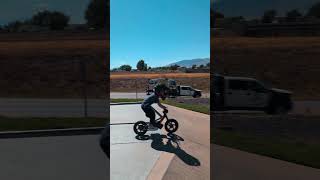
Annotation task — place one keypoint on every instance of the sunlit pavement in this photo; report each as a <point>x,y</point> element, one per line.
<point>149,159</point>
<point>131,159</point>
<point>52,158</point>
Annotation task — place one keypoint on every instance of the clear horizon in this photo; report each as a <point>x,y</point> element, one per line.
<point>159,32</point>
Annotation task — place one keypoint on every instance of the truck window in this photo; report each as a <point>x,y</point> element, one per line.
<point>253,85</point>
<point>218,84</point>
<point>238,85</point>
<point>184,88</point>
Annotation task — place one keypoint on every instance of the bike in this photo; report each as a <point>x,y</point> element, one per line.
<point>171,125</point>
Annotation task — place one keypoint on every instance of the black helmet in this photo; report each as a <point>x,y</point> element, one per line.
<point>161,88</point>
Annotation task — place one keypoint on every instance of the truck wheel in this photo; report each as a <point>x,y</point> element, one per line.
<point>196,95</point>
<point>278,109</point>
<point>281,110</point>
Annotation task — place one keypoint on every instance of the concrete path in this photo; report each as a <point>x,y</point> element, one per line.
<point>155,158</point>
<point>52,158</point>
<point>231,164</point>
<point>131,159</point>
<point>192,160</point>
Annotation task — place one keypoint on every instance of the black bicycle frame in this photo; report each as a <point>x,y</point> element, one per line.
<point>162,117</point>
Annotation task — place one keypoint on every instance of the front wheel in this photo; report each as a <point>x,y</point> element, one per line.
<point>171,125</point>
<point>140,128</point>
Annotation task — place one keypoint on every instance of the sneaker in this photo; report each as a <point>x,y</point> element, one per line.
<point>158,125</point>
<point>152,127</point>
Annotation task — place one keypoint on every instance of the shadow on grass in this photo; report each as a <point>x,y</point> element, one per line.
<point>170,143</point>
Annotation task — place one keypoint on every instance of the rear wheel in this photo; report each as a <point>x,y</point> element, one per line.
<point>140,128</point>
<point>277,110</point>
<point>171,125</point>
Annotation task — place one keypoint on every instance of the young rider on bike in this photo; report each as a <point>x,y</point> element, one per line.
<point>160,91</point>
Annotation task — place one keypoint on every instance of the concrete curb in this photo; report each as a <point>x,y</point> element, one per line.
<point>51,132</point>
<point>124,103</point>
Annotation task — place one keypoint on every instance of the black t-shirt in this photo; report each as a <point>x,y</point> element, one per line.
<point>147,102</point>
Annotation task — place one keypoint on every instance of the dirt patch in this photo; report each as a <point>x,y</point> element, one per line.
<point>52,67</point>
<point>129,82</point>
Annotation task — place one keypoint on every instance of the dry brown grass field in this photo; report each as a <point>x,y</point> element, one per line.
<point>158,75</point>
<point>291,63</point>
<point>47,65</point>
<point>129,82</point>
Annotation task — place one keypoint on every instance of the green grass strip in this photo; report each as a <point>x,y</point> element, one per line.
<point>284,149</point>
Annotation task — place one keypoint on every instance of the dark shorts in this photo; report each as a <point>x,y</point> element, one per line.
<point>150,114</point>
<point>105,140</point>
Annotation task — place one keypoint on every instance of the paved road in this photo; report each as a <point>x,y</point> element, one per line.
<point>32,107</point>
<point>130,95</point>
<point>12,107</point>
<point>230,164</point>
<point>306,107</point>
<point>154,158</point>
<point>52,158</point>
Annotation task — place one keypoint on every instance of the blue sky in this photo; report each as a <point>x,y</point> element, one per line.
<point>158,31</point>
<point>12,10</point>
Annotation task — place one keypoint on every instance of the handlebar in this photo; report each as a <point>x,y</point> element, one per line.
<point>165,111</point>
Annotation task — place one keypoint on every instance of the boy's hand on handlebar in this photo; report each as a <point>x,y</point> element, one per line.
<point>165,110</point>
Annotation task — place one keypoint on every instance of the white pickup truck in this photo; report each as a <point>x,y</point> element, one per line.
<point>175,90</point>
<point>240,93</point>
<point>186,91</point>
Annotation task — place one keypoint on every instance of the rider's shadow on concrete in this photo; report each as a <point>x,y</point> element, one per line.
<point>170,144</point>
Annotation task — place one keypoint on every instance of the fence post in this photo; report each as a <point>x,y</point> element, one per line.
<point>84,87</point>
<point>136,89</point>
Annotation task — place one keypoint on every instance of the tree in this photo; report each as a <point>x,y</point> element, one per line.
<point>14,26</point>
<point>293,15</point>
<point>201,66</point>
<point>314,11</point>
<point>145,68</point>
<point>194,66</point>
<point>208,64</point>
<point>269,16</point>
<point>54,20</point>
<point>125,67</point>
<point>174,67</point>
<point>97,14</point>
<point>141,65</point>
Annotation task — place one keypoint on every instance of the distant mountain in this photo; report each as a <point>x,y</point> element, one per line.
<point>189,63</point>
